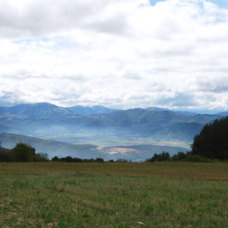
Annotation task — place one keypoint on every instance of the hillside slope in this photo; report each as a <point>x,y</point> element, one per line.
<point>52,148</point>
<point>60,149</point>
<point>53,122</point>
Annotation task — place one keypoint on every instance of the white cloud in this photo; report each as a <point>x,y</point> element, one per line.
<point>116,53</point>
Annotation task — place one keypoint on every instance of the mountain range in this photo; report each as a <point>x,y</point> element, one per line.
<point>90,132</point>
<point>103,126</point>
<point>97,109</point>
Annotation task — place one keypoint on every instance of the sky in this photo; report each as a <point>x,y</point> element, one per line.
<point>120,54</point>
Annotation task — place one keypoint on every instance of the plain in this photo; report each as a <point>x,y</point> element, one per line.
<point>164,194</point>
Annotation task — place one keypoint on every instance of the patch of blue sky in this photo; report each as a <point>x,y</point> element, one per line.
<point>30,41</point>
<point>153,2</point>
<point>58,42</point>
<point>220,3</point>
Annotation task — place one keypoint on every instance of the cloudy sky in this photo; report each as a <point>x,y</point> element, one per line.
<point>117,53</point>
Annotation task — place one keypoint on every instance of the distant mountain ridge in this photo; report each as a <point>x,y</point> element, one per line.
<point>224,114</point>
<point>43,108</point>
<point>98,109</point>
<point>50,121</point>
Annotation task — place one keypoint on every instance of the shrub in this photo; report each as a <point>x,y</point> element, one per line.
<point>190,157</point>
<point>121,160</point>
<point>4,156</point>
<point>55,158</point>
<point>164,156</point>
<point>179,156</point>
<point>77,159</point>
<point>67,159</point>
<point>41,157</point>
<point>99,160</point>
<point>22,153</point>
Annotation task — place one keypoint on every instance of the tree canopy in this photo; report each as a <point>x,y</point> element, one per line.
<point>212,142</point>
<point>23,152</point>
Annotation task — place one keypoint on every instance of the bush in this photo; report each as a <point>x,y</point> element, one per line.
<point>22,153</point>
<point>99,160</point>
<point>4,156</point>
<point>77,159</point>
<point>164,156</point>
<point>88,160</point>
<point>41,157</point>
<point>121,160</point>
<point>55,158</point>
<point>67,159</point>
<point>179,156</point>
<point>190,157</point>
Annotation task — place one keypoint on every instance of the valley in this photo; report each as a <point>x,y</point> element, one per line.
<point>90,132</point>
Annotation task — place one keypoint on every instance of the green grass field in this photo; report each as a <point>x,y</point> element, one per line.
<point>114,194</point>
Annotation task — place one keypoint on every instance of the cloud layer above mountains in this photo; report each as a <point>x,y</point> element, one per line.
<point>123,54</point>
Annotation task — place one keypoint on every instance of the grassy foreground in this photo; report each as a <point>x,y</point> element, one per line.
<point>114,194</point>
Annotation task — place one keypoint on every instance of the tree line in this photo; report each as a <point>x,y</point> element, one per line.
<point>26,153</point>
<point>180,156</point>
<point>211,143</point>
<point>22,153</point>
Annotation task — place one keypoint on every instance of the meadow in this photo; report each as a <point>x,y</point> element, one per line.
<point>161,194</point>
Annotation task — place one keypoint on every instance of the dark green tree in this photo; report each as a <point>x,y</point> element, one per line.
<point>41,157</point>
<point>99,160</point>
<point>212,142</point>
<point>179,156</point>
<point>164,156</point>
<point>23,153</point>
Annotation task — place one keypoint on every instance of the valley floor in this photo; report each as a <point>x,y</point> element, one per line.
<point>171,194</point>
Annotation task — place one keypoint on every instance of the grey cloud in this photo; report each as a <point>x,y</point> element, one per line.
<point>216,85</point>
<point>79,78</point>
<point>116,25</point>
<point>178,100</point>
<point>175,51</point>
<point>43,17</point>
<point>24,75</point>
<point>133,76</point>
<point>10,98</point>
<point>17,76</point>
<point>14,76</point>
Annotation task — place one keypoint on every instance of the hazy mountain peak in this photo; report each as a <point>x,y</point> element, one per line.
<point>97,109</point>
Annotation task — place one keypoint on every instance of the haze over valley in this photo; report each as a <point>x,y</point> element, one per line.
<point>90,132</point>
